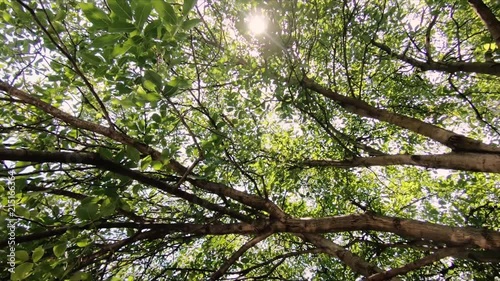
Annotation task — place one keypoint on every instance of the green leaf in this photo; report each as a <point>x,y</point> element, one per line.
<point>152,97</point>
<point>154,29</point>
<point>106,40</point>
<point>105,153</point>
<point>141,12</point>
<point>88,211</point>
<point>166,11</point>
<point>91,58</point>
<point>39,89</point>
<point>60,16</point>
<point>166,154</point>
<point>366,38</point>
<point>156,117</point>
<point>188,6</point>
<point>123,48</point>
<point>121,8</point>
<point>6,16</point>
<point>133,154</point>
<point>157,165</point>
<point>179,82</point>
<point>37,253</point>
<point>490,46</point>
<point>96,16</point>
<point>23,212</point>
<point>190,24</point>
<point>59,249</point>
<point>124,205</point>
<point>79,275</point>
<point>22,271</point>
<point>170,91</point>
<point>83,243</point>
<point>121,27</point>
<point>22,255</point>
<point>145,162</point>
<point>108,207</point>
<point>152,76</point>
<point>149,85</point>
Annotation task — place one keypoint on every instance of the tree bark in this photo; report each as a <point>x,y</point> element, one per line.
<point>491,68</point>
<point>448,138</point>
<point>483,162</point>
<point>412,229</point>
<point>430,259</point>
<point>488,18</point>
<point>353,261</point>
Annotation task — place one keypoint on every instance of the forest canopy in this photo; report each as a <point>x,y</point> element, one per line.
<point>250,140</point>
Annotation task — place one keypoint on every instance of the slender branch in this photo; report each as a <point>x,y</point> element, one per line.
<point>474,108</point>
<point>355,262</point>
<point>450,67</point>
<point>236,255</point>
<point>201,153</point>
<point>279,257</point>
<point>428,36</point>
<point>430,259</point>
<point>78,196</point>
<point>71,59</point>
<point>156,229</point>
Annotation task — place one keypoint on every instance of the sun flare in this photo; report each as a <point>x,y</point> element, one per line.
<point>257,24</point>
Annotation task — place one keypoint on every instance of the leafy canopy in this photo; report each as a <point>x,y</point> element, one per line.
<point>166,140</point>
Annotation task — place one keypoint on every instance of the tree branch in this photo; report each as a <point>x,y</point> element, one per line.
<point>96,160</point>
<point>450,67</point>
<point>236,255</point>
<point>430,259</point>
<point>450,139</point>
<point>408,228</point>
<point>356,263</point>
<point>488,18</point>
<point>71,59</point>
<point>483,162</point>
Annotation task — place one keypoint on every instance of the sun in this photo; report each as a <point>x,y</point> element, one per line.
<point>257,24</point>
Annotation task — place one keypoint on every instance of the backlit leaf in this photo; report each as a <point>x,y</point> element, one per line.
<point>121,8</point>
<point>59,249</point>
<point>96,16</point>
<point>188,6</point>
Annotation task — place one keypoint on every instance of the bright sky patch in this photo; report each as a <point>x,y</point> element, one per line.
<point>257,24</point>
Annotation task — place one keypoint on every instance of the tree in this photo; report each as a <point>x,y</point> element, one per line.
<point>161,140</point>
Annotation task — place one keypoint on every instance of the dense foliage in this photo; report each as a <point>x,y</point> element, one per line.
<point>163,140</point>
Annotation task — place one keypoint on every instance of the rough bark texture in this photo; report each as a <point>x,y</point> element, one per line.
<point>414,229</point>
<point>448,138</point>
<point>483,162</point>
<point>488,18</point>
